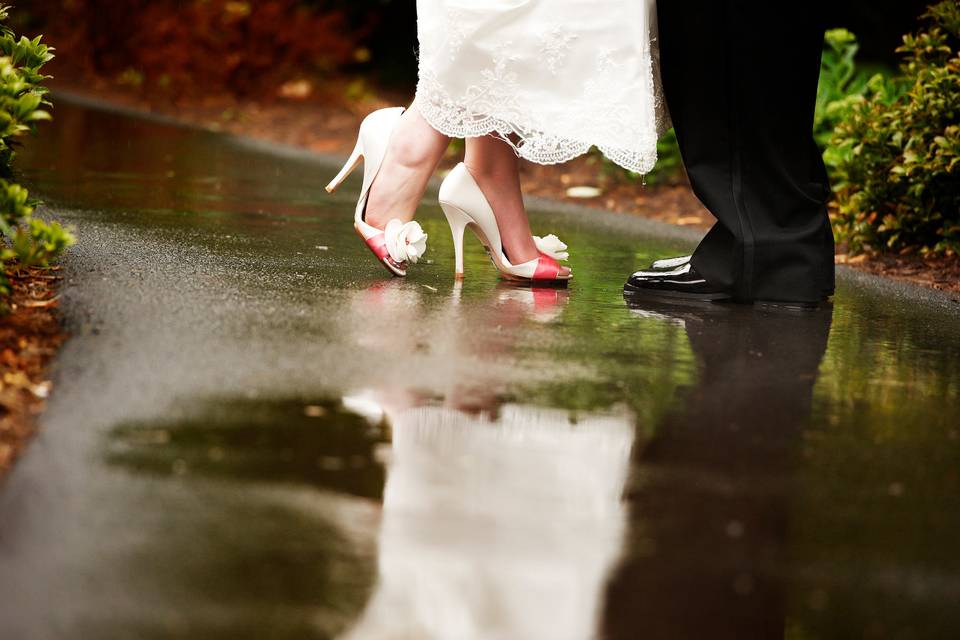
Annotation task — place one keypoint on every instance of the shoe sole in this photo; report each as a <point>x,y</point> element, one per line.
<point>674,295</point>
<point>827,293</point>
<point>716,298</point>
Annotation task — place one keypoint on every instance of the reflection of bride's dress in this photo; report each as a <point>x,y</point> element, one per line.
<point>501,528</point>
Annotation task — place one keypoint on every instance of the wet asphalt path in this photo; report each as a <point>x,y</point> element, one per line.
<point>254,433</point>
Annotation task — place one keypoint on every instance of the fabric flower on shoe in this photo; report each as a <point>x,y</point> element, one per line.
<point>551,246</point>
<point>405,241</point>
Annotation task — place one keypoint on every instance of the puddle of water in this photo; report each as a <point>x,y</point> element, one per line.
<point>457,555</point>
<point>318,444</point>
<point>501,462</point>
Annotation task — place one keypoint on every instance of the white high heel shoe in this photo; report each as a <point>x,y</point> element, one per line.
<point>398,243</point>
<point>464,205</point>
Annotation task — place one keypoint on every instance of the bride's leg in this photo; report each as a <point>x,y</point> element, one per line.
<point>414,152</point>
<point>494,166</point>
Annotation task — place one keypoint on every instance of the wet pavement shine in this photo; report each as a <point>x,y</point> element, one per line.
<point>255,433</point>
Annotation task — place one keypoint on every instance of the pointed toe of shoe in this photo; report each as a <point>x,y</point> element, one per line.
<point>683,282</point>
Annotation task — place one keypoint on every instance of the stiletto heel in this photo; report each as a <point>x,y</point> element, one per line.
<point>458,221</point>
<point>398,243</point>
<point>464,205</point>
<point>348,168</point>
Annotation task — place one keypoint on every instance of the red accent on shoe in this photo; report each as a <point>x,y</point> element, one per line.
<point>378,244</point>
<point>547,269</point>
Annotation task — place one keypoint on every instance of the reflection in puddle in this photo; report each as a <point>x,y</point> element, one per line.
<point>501,527</point>
<point>540,304</point>
<point>499,522</point>
<point>720,478</point>
<point>319,443</point>
<point>503,522</point>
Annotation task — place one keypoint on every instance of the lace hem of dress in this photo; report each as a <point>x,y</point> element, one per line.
<point>541,147</point>
<point>535,146</point>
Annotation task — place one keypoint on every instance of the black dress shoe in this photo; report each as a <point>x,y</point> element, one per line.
<point>671,264</point>
<point>682,282</point>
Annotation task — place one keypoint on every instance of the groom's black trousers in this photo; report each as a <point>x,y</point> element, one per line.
<point>740,78</point>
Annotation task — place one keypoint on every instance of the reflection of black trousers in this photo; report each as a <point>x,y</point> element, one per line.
<point>740,78</point>
<point>708,553</point>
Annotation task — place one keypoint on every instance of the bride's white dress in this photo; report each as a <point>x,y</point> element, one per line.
<point>553,77</point>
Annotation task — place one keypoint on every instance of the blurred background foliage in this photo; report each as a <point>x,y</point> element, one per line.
<point>345,49</point>
<point>203,46</point>
<point>245,46</point>
<point>26,241</point>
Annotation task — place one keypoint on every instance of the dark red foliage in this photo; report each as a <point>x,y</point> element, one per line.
<point>194,46</point>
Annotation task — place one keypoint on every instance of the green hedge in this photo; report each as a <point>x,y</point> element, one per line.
<point>894,154</point>
<point>27,241</point>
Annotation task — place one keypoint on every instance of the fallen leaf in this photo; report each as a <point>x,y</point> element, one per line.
<point>41,303</point>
